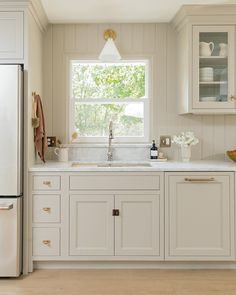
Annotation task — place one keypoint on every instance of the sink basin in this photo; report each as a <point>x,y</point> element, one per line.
<point>125,165</point>
<point>78,165</point>
<point>110,165</point>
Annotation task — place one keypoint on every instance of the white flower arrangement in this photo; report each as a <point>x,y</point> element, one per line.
<point>185,139</point>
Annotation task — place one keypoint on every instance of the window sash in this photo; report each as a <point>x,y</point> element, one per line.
<point>102,139</point>
<point>145,100</point>
<point>109,101</point>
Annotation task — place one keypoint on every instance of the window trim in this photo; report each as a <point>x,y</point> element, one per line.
<point>146,103</point>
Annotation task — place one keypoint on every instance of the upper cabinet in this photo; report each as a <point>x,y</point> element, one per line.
<point>11,35</point>
<point>206,62</point>
<point>213,67</point>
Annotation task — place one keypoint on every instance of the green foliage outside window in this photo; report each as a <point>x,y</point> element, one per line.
<point>109,85</point>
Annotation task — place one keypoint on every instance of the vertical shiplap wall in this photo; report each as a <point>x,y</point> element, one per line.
<point>217,133</point>
<point>33,78</point>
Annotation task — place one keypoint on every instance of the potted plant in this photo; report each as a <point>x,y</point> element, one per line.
<point>185,140</point>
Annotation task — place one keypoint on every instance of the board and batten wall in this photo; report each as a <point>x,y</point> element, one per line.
<point>217,133</point>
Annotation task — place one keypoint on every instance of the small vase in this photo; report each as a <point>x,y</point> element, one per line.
<point>186,153</point>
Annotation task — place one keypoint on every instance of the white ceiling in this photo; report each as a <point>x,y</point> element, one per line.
<point>105,11</point>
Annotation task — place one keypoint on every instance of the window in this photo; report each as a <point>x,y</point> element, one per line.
<point>104,92</point>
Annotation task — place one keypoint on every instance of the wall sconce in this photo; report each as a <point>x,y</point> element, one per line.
<point>109,52</point>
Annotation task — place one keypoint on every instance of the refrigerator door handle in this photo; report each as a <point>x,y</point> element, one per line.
<point>6,207</point>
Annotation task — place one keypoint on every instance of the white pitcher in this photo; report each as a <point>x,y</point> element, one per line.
<point>62,154</point>
<point>206,49</point>
<point>223,49</point>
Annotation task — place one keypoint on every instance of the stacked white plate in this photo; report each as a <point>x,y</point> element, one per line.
<point>208,98</point>
<point>206,74</point>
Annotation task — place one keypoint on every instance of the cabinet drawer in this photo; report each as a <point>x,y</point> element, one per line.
<point>46,241</point>
<point>117,181</point>
<point>46,183</point>
<point>46,208</point>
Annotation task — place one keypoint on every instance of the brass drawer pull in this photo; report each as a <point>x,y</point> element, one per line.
<point>46,242</point>
<point>6,207</point>
<point>200,179</point>
<point>48,183</point>
<point>47,209</point>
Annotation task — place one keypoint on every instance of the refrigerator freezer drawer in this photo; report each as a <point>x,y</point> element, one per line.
<point>10,237</point>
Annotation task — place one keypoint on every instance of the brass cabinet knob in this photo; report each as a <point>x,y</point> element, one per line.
<point>47,182</point>
<point>46,242</point>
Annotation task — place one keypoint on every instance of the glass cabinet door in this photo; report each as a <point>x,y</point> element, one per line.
<point>213,67</point>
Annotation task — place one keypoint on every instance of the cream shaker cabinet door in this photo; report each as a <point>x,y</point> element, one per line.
<point>91,225</point>
<point>137,226</point>
<point>11,35</point>
<point>199,216</point>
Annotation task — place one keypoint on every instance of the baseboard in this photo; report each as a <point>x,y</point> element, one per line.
<point>132,265</point>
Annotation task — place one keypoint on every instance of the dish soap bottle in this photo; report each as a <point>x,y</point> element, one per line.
<point>153,151</point>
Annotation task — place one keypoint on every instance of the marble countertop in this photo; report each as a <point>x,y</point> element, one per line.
<point>155,167</point>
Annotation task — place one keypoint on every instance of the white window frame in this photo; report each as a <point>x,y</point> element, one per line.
<point>146,103</point>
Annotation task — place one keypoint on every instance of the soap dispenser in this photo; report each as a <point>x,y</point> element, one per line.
<point>153,151</point>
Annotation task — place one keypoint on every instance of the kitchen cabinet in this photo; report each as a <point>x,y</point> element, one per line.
<point>11,35</point>
<point>46,183</point>
<point>137,228</point>
<point>97,216</point>
<point>206,68</point>
<point>46,216</point>
<point>46,241</point>
<point>199,216</point>
<point>79,218</point>
<point>46,208</point>
<point>132,229</point>
<point>214,67</point>
<point>91,224</point>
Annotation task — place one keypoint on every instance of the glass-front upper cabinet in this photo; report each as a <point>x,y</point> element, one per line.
<point>213,67</point>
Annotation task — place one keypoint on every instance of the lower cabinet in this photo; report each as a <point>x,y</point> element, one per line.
<point>91,225</point>
<point>199,216</point>
<point>46,241</point>
<point>137,228</point>
<point>124,224</point>
<point>195,221</point>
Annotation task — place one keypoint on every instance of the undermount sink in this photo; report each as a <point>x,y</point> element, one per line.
<point>110,165</point>
<point>125,165</point>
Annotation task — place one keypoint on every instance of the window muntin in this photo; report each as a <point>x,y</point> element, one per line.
<point>101,92</point>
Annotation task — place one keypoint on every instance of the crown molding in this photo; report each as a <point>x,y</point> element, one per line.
<point>187,13</point>
<point>39,14</point>
<point>34,6</point>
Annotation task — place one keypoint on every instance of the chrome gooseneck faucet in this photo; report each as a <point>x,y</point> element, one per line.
<point>109,152</point>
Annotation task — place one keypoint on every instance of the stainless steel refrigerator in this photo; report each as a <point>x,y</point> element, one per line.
<point>11,169</point>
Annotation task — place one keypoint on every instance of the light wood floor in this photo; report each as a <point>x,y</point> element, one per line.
<point>122,282</point>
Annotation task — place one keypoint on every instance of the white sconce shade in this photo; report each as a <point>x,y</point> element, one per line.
<point>109,52</point>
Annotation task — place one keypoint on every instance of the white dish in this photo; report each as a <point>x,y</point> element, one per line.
<point>206,79</point>
<point>208,98</point>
